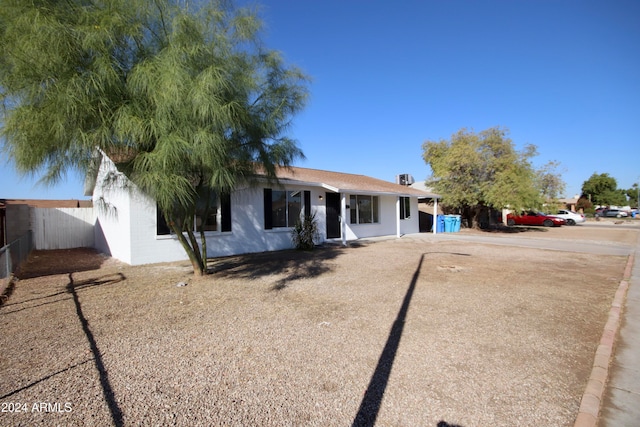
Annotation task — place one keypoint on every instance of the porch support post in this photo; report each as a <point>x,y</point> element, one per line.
<point>398,217</point>
<point>435,214</point>
<point>343,218</point>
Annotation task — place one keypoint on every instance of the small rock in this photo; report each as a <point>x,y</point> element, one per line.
<point>181,284</point>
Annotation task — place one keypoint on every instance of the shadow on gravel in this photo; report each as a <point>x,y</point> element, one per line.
<point>294,264</point>
<point>72,288</point>
<point>370,404</point>
<point>28,386</point>
<point>22,305</point>
<point>107,391</point>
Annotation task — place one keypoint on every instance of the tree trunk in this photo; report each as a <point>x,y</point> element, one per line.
<point>192,253</point>
<point>471,214</point>
<point>203,255</point>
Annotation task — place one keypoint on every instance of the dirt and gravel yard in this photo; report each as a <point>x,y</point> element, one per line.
<point>400,332</point>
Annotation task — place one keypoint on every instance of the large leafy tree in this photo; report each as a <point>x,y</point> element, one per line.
<point>602,189</point>
<point>633,195</point>
<point>185,100</point>
<point>476,171</point>
<point>550,182</point>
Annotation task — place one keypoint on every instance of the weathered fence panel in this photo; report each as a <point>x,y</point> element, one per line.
<point>63,228</point>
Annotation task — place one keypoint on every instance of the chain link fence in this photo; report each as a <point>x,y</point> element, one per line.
<point>11,256</point>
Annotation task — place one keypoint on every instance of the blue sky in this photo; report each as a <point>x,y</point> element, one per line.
<point>386,76</point>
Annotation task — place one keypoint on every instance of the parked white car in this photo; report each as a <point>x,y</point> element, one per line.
<point>571,217</point>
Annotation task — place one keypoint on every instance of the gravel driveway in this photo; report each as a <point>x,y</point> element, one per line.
<point>400,332</point>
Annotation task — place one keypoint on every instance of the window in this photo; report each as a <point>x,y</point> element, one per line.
<point>405,207</point>
<point>364,209</point>
<point>211,220</point>
<point>284,208</point>
<point>218,218</point>
<point>162,228</point>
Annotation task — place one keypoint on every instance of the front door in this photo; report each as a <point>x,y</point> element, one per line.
<point>333,215</point>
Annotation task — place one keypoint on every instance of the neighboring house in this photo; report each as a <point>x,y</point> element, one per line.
<point>570,204</point>
<point>253,218</point>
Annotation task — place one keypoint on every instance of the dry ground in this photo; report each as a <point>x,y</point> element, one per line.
<point>401,332</point>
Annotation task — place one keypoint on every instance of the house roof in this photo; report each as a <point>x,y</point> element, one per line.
<point>332,181</point>
<point>346,182</point>
<point>41,203</point>
<point>420,185</point>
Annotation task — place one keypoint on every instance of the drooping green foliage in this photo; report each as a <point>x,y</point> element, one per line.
<point>602,189</point>
<point>475,171</point>
<point>184,100</point>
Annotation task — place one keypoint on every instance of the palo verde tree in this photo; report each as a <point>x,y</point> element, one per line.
<point>476,171</point>
<point>185,100</point>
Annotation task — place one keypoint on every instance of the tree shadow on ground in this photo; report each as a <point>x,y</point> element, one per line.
<point>373,396</point>
<point>292,263</point>
<point>107,390</point>
<point>59,261</point>
<point>72,288</point>
<point>47,263</point>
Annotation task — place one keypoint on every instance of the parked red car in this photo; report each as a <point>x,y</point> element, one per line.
<point>535,218</point>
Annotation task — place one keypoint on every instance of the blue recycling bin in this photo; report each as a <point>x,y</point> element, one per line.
<point>449,223</point>
<point>457,221</point>
<point>439,224</point>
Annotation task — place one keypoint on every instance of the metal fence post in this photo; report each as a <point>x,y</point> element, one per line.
<point>7,257</point>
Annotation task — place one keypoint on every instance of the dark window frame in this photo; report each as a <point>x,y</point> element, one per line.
<point>405,207</point>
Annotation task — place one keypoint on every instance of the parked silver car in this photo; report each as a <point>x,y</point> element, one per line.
<point>611,213</point>
<point>571,217</point>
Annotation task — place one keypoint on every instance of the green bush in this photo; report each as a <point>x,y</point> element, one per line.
<point>305,232</point>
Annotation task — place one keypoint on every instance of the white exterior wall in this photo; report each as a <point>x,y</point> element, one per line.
<point>146,246</point>
<point>412,224</point>
<point>126,224</point>
<point>247,233</point>
<point>127,228</point>
<point>112,207</point>
<point>388,217</point>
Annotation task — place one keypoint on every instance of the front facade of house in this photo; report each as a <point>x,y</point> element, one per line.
<point>255,218</point>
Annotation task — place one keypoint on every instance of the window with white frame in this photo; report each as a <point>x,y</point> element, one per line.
<point>363,209</point>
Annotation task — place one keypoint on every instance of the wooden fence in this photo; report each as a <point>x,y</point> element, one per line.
<point>63,228</point>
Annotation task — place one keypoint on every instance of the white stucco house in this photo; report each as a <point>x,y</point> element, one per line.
<point>254,218</point>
